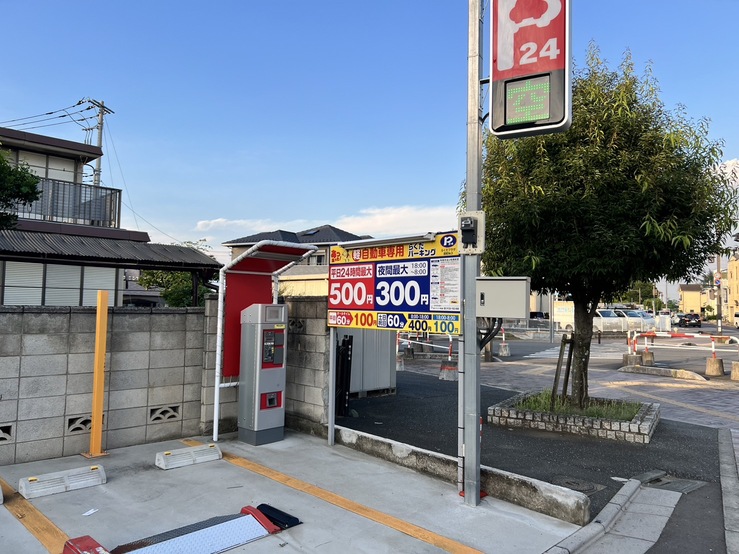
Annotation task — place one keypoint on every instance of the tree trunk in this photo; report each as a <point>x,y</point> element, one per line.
<point>582,336</point>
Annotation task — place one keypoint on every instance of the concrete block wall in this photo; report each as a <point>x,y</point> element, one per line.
<point>229,405</point>
<point>307,386</point>
<point>154,375</point>
<point>159,378</point>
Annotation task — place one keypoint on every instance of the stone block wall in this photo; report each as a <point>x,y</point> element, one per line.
<point>153,377</point>
<point>159,378</point>
<point>307,363</point>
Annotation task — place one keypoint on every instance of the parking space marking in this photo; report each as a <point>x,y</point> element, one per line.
<point>382,518</point>
<point>49,535</point>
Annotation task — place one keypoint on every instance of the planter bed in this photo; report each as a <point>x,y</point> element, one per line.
<point>638,430</point>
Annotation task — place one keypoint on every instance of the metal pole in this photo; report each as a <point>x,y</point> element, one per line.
<point>719,301</point>
<point>98,378</point>
<point>470,362</point>
<point>331,386</point>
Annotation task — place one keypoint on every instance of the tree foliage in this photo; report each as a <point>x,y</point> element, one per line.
<point>629,193</point>
<point>17,186</point>
<point>176,286</point>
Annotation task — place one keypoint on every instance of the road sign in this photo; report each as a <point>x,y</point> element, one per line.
<point>410,287</point>
<point>530,68</point>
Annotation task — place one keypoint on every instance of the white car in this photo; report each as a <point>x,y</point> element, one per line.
<point>649,322</point>
<point>607,320</point>
<point>632,319</point>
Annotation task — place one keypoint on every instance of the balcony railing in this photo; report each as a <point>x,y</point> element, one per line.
<point>67,202</point>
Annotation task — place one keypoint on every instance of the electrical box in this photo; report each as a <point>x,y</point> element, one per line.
<point>503,297</point>
<point>262,373</point>
<point>472,232</point>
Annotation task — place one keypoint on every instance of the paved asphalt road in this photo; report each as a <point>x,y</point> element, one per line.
<point>424,413</point>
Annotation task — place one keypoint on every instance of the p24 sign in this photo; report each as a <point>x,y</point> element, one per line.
<point>531,68</point>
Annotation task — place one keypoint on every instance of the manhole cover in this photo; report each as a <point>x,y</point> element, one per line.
<point>579,485</point>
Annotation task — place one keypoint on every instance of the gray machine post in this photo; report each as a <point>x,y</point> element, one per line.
<point>262,373</point>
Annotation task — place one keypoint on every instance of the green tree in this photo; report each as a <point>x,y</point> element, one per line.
<point>629,193</point>
<point>639,292</point>
<point>17,186</point>
<point>176,286</point>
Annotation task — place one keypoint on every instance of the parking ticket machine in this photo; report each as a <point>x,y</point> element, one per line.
<point>262,373</point>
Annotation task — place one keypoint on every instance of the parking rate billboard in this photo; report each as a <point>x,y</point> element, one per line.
<point>407,287</point>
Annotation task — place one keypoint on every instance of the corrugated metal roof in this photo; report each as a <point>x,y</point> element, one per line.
<point>50,247</point>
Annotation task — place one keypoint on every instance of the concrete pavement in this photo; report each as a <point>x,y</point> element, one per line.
<point>347,499</point>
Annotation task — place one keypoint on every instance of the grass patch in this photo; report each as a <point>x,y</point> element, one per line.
<point>618,410</point>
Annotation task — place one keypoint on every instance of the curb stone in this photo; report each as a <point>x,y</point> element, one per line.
<point>594,530</point>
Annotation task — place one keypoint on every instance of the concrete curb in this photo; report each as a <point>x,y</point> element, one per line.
<point>729,487</point>
<point>540,496</point>
<point>584,537</point>
<point>663,372</point>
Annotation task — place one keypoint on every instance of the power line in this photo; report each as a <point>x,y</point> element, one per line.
<point>41,115</point>
<point>136,216</point>
<point>25,125</point>
<point>109,135</point>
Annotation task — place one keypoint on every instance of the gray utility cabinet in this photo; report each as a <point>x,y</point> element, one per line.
<point>373,359</point>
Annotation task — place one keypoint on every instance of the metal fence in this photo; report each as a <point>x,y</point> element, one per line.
<point>67,202</point>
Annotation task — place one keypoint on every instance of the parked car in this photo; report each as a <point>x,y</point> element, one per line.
<point>677,317</point>
<point>649,322</point>
<point>538,320</point>
<point>607,320</point>
<point>631,319</point>
<point>689,320</point>
<point>736,320</point>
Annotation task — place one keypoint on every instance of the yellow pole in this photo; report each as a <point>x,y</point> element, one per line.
<point>98,379</point>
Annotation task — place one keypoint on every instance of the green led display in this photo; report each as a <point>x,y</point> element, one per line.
<point>527,100</point>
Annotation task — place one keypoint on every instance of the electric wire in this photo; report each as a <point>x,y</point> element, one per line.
<point>41,115</point>
<point>66,114</point>
<point>108,136</point>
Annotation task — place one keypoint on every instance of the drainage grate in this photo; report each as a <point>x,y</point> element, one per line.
<point>585,487</point>
<point>657,479</point>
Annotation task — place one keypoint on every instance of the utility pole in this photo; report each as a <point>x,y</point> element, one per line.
<point>469,362</point>
<point>102,110</point>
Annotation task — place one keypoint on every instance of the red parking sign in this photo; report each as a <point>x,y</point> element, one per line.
<point>530,73</point>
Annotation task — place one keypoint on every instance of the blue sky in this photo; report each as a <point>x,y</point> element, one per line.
<point>241,116</point>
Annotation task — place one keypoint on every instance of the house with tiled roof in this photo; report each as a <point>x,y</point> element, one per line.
<point>69,243</point>
<point>310,277</point>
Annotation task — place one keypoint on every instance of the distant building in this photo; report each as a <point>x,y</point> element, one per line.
<point>691,298</point>
<point>309,278</point>
<point>68,244</point>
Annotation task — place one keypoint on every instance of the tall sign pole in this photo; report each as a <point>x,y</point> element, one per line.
<point>469,362</point>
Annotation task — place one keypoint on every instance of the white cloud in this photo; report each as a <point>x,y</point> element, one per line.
<point>399,220</point>
<point>377,222</point>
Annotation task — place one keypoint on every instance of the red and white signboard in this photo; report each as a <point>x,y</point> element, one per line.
<point>530,74</point>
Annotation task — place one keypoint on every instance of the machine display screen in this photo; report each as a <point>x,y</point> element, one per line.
<point>527,100</point>
<point>273,314</point>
